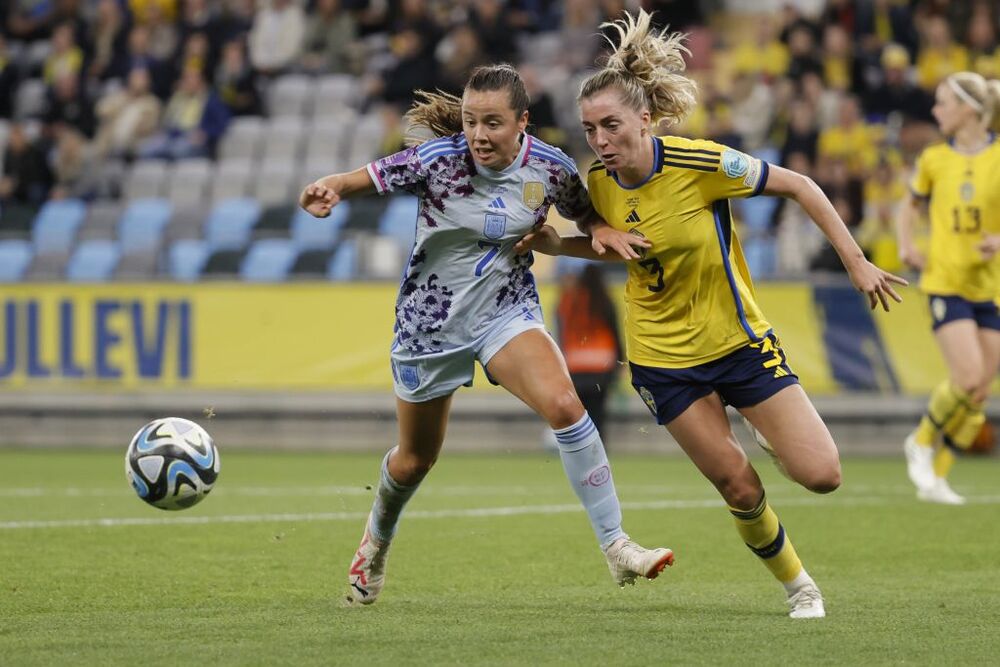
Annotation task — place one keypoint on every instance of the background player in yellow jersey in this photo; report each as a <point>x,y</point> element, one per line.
<point>696,337</point>
<point>959,181</point>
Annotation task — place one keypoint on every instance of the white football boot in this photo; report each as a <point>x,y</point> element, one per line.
<point>940,492</point>
<point>628,561</point>
<point>367,574</point>
<point>919,464</point>
<point>807,602</point>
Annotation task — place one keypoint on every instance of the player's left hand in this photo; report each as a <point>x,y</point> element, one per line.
<point>604,237</point>
<point>876,284</point>
<point>544,239</point>
<point>989,246</point>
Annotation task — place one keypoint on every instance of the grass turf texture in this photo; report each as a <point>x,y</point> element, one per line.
<point>905,582</point>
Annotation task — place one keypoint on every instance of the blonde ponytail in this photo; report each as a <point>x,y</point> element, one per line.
<point>440,113</point>
<point>646,68</point>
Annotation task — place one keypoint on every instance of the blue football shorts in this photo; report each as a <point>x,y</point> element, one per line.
<point>742,378</point>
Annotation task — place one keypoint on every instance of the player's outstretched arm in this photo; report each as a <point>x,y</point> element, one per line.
<point>604,237</point>
<point>875,283</point>
<point>546,240</point>
<point>320,197</point>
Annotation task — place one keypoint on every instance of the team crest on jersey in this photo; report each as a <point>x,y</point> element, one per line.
<point>495,225</point>
<point>636,232</point>
<point>647,398</point>
<point>967,191</point>
<point>734,163</point>
<point>533,194</point>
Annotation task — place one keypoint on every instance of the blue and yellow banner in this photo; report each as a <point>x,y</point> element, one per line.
<point>324,336</point>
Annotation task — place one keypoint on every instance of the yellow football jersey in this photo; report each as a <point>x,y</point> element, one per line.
<point>964,192</point>
<point>689,300</point>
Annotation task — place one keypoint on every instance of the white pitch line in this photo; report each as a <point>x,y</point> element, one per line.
<point>442,514</point>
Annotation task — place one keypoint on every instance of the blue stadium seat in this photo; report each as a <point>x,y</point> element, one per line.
<point>141,226</point>
<point>344,263</point>
<point>186,258</point>
<point>268,260</point>
<point>311,233</point>
<point>400,220</point>
<point>93,261</point>
<point>55,225</point>
<point>15,255</point>
<point>230,223</point>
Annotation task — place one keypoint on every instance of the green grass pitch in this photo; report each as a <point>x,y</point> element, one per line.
<point>255,575</point>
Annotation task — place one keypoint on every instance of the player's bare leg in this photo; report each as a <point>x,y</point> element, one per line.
<point>703,432</point>
<point>531,367</point>
<point>793,429</point>
<point>422,429</point>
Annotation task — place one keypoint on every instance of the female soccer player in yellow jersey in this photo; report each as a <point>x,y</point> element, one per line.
<point>696,337</point>
<point>959,181</point>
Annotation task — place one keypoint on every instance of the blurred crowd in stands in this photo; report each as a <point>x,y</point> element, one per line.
<point>839,90</point>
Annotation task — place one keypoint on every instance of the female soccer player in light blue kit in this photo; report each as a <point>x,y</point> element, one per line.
<point>466,296</point>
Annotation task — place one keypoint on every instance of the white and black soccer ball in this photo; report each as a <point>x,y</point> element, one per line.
<point>172,463</point>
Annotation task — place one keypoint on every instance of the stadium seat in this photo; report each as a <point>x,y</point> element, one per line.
<point>51,266</point>
<point>146,179</point>
<point>189,181</point>
<point>30,102</point>
<point>141,227</point>
<point>186,258</point>
<point>290,95</point>
<point>242,139</point>
<point>282,139</point>
<point>223,264</point>
<point>400,220</point>
<point>335,94</point>
<point>275,221</point>
<point>230,222</point>
<point>232,179</point>
<point>186,222</point>
<point>274,183</point>
<point>310,265</point>
<point>56,224</point>
<point>311,233</point>
<point>93,261</point>
<point>15,220</point>
<point>327,140</point>
<point>15,256</point>
<point>137,266</point>
<point>101,222</point>
<point>344,263</point>
<point>381,258</point>
<point>268,260</point>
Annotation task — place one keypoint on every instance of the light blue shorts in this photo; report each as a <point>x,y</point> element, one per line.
<point>417,379</point>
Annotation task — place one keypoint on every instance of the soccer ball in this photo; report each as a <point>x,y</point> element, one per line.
<point>172,463</point>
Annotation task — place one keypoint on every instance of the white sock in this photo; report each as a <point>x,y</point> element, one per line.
<point>586,465</point>
<point>390,499</point>
<point>795,585</point>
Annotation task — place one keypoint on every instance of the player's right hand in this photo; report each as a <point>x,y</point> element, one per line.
<point>913,258</point>
<point>318,199</point>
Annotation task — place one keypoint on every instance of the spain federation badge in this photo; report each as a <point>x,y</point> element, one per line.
<point>533,194</point>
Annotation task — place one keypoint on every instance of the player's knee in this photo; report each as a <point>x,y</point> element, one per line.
<point>411,468</point>
<point>822,480</point>
<point>968,384</point>
<point>739,492</point>
<point>563,409</point>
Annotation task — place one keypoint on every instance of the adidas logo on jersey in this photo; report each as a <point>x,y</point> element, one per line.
<point>633,218</point>
<point>497,203</point>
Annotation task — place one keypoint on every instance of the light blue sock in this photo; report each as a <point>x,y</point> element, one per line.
<point>390,499</point>
<point>586,465</point>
